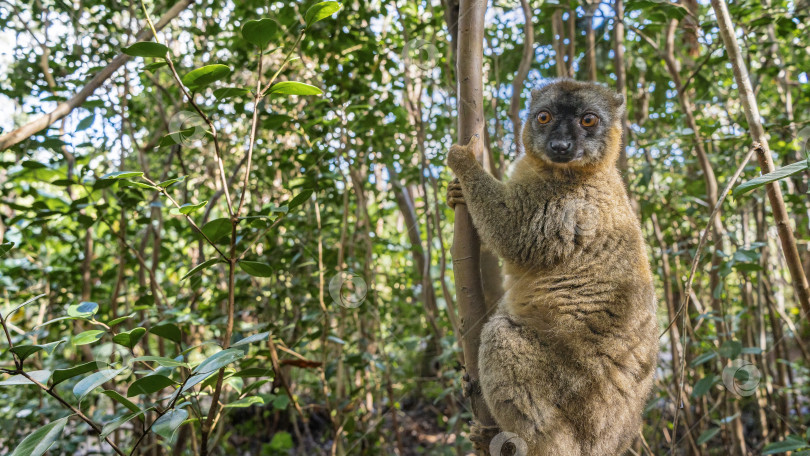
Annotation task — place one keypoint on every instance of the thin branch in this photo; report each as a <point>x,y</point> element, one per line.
<point>63,109</point>
<point>754,148</point>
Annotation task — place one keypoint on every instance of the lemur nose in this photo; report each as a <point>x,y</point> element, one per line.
<point>559,146</point>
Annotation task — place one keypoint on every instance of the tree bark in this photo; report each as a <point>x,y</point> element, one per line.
<point>466,243</point>
<point>749,104</point>
<point>590,38</point>
<point>63,109</point>
<point>621,83</point>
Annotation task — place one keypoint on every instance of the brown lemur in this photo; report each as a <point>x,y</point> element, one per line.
<point>567,359</point>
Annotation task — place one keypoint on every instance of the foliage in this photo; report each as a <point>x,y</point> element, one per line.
<point>213,253</point>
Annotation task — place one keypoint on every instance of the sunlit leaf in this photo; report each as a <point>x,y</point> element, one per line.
<point>294,88</point>
<point>200,267</point>
<point>206,75</point>
<point>774,176</point>
<point>321,11</point>
<point>146,49</point>
<point>129,338</point>
<point>256,268</point>
<point>259,32</point>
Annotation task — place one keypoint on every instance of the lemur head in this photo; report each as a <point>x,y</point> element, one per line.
<point>576,125</point>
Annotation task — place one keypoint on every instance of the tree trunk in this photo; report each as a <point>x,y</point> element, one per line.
<point>751,109</point>
<point>466,243</point>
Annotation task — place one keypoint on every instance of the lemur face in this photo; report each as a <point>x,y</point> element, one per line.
<point>571,122</point>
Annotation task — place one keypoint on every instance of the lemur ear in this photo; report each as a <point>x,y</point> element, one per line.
<point>618,99</point>
<point>536,93</point>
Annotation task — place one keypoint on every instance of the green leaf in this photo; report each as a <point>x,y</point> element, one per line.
<point>83,309</point>
<point>166,425</point>
<point>129,183</point>
<point>146,49</point>
<point>281,402</point>
<point>259,32</point>
<point>129,338</point>
<point>230,92</point>
<point>218,361</point>
<point>206,75</point>
<point>110,427</point>
<point>300,198</point>
<point>294,88</point>
<point>41,376</point>
<point>246,402</point>
<point>149,384</point>
<point>251,339</point>
<point>154,66</point>
<point>161,360</point>
<point>85,123</point>
<point>200,267</point>
<point>281,442</point>
<point>256,269</point>
<point>254,372</point>
<point>93,381</point>
<point>321,11</point>
<point>168,331</point>
<point>188,208</point>
<point>195,379</point>
<point>88,337</point>
<point>703,386</point>
<point>60,375</point>
<point>730,349</point>
<point>170,182</point>
<point>707,435</point>
<point>791,443</point>
<point>5,248</point>
<point>752,351</point>
<point>660,9</point>
<point>776,175</point>
<point>117,397</point>
<point>703,358</point>
<point>217,228</point>
<point>122,175</point>
<point>120,320</point>
<point>39,441</point>
<point>24,351</point>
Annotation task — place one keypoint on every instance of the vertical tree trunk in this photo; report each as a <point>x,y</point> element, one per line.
<point>466,243</point>
<point>590,38</point>
<point>572,38</point>
<point>621,82</point>
<point>751,109</point>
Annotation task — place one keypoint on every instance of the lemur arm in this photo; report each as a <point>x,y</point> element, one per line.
<point>505,218</point>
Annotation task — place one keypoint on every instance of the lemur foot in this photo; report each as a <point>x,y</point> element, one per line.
<point>454,194</point>
<point>481,436</point>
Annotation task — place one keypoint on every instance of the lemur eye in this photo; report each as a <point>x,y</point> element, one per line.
<point>589,120</point>
<point>544,117</point>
